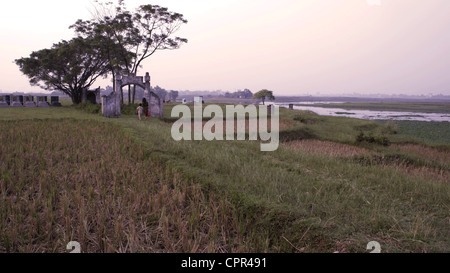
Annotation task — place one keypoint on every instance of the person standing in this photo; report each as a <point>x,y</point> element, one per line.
<point>140,111</point>
<point>145,108</point>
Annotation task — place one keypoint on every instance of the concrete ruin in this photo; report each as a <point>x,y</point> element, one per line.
<point>16,101</point>
<point>41,101</point>
<point>3,102</point>
<point>156,106</point>
<point>7,101</point>
<point>92,96</point>
<point>54,101</point>
<point>29,101</point>
<point>111,105</point>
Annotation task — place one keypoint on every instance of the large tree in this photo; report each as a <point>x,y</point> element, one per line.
<point>264,95</point>
<point>69,66</point>
<point>146,30</point>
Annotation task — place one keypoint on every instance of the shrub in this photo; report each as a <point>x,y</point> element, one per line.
<point>90,108</point>
<point>383,140</point>
<point>380,140</point>
<point>391,127</point>
<point>360,138</point>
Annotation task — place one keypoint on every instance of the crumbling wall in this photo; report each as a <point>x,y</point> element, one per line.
<point>156,106</point>
<point>29,101</point>
<point>42,102</point>
<point>3,102</point>
<point>16,101</point>
<point>92,96</point>
<point>111,105</point>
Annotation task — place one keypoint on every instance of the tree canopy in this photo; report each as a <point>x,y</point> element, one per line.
<point>146,30</point>
<point>114,41</point>
<point>69,66</point>
<point>264,95</point>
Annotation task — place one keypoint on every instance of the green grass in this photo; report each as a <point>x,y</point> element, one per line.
<point>338,200</point>
<point>430,133</point>
<point>285,201</point>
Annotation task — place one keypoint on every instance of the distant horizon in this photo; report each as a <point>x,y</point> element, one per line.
<point>308,47</point>
<point>343,95</point>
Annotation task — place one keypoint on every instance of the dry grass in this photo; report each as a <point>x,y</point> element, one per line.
<point>325,148</point>
<point>438,175</point>
<point>63,181</point>
<point>332,149</point>
<point>424,152</point>
<point>430,155</point>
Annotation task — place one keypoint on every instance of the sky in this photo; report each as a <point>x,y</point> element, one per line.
<point>292,47</point>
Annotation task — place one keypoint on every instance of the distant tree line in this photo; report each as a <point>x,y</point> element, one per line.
<point>246,94</point>
<point>171,95</point>
<point>166,95</point>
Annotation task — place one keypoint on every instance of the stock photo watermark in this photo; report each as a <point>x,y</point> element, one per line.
<point>374,246</point>
<point>75,248</point>
<point>236,117</point>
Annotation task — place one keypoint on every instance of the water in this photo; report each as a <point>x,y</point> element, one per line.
<point>369,114</point>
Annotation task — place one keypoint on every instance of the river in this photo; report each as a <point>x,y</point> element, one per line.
<point>368,114</point>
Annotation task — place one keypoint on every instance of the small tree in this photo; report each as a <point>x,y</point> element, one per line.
<point>263,95</point>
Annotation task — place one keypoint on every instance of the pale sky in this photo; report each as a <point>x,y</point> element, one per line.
<point>293,47</point>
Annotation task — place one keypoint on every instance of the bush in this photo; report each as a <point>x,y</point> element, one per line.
<point>380,140</point>
<point>360,138</point>
<point>391,128</point>
<point>383,140</point>
<point>90,108</point>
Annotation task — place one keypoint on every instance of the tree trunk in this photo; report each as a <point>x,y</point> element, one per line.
<point>129,94</point>
<point>134,93</point>
<point>76,96</point>
<point>121,93</point>
<point>114,82</point>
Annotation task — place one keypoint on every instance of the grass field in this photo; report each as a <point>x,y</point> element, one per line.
<point>437,133</point>
<point>121,185</point>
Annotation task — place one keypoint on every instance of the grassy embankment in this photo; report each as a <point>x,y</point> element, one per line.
<point>125,185</point>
